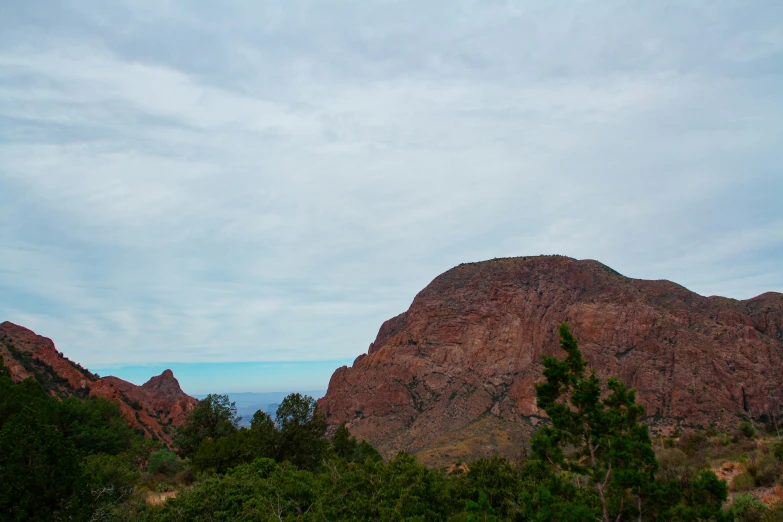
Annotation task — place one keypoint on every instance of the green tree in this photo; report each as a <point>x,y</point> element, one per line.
<point>600,438</point>
<point>496,478</point>
<point>221,455</point>
<point>302,438</point>
<point>411,491</point>
<point>38,468</point>
<point>480,511</point>
<point>213,417</point>
<point>106,482</point>
<point>703,499</point>
<point>346,447</point>
<point>343,443</point>
<point>263,435</point>
<point>47,448</point>
<point>95,426</point>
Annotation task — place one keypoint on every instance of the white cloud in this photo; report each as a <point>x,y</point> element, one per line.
<point>271,183</point>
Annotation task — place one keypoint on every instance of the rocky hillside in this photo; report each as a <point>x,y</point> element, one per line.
<point>452,378</point>
<point>154,408</point>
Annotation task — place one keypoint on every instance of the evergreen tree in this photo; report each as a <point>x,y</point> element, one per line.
<point>601,439</point>
<point>302,438</point>
<point>480,511</point>
<point>343,443</point>
<point>263,435</point>
<point>346,447</point>
<point>213,417</point>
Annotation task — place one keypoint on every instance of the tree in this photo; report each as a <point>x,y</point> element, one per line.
<point>263,435</point>
<point>602,441</point>
<point>343,443</point>
<point>50,452</point>
<point>212,418</point>
<point>38,468</point>
<point>106,482</point>
<point>221,455</point>
<point>302,432</point>
<point>480,511</point>
<point>495,479</point>
<point>345,446</point>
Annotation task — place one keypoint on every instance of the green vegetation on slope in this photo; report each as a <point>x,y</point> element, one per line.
<point>59,459</point>
<point>76,460</point>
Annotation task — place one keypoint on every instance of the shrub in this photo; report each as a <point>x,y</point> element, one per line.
<point>673,465</point>
<point>747,430</point>
<point>724,439</point>
<point>748,508</point>
<point>743,482</point>
<point>164,462</point>
<point>763,468</point>
<point>162,487</point>
<point>691,441</point>
<point>777,450</point>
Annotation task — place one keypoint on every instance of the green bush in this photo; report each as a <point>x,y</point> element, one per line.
<point>777,450</point>
<point>724,439</point>
<point>747,430</point>
<point>743,482</point>
<point>748,508</point>
<point>164,462</point>
<point>673,466</point>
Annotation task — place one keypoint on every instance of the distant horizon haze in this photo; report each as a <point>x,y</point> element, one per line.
<point>201,379</point>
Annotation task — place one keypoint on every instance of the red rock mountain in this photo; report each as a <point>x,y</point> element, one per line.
<point>452,378</point>
<point>154,408</point>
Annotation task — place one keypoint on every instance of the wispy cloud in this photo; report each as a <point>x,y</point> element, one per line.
<point>269,182</point>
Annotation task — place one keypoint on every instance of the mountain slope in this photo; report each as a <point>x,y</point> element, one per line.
<point>452,378</point>
<point>154,408</point>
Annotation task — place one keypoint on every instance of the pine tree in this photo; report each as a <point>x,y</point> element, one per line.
<point>599,437</point>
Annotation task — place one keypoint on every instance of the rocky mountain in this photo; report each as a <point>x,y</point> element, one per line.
<point>154,408</point>
<point>452,378</point>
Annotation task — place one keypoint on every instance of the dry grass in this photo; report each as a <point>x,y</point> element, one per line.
<point>156,499</point>
<point>485,437</point>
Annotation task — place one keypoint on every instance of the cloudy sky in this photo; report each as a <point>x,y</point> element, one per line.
<point>190,183</point>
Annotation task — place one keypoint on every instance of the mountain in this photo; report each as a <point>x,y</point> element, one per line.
<point>453,377</point>
<point>154,408</point>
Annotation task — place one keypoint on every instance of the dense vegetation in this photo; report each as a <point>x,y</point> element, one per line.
<point>77,460</point>
<point>61,459</point>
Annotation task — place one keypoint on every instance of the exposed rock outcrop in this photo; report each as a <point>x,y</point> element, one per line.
<point>160,395</point>
<point>154,408</point>
<point>452,378</point>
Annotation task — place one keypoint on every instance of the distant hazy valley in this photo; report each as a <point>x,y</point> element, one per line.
<point>248,402</point>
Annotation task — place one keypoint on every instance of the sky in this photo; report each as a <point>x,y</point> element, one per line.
<point>247,190</point>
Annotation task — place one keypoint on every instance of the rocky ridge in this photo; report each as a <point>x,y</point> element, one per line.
<point>154,408</point>
<point>453,377</point>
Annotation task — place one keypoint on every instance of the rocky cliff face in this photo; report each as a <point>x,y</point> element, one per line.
<point>154,408</point>
<point>161,396</point>
<point>452,378</point>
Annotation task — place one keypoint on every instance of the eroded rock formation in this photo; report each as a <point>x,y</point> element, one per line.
<point>155,408</point>
<point>452,378</point>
